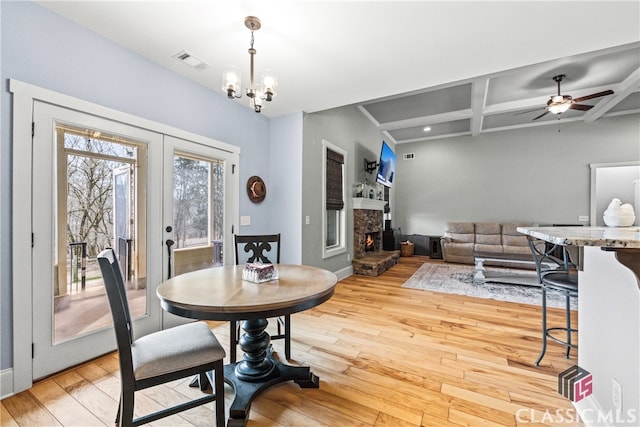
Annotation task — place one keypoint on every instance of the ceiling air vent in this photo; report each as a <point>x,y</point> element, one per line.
<point>408,156</point>
<point>191,60</point>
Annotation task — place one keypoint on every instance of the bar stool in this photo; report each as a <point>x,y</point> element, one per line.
<point>563,280</point>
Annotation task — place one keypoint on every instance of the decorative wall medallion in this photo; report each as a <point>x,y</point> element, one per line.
<point>256,189</point>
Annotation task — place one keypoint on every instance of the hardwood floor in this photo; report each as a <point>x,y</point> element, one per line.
<point>385,355</point>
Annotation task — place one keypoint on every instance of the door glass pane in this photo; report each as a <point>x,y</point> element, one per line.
<point>99,205</point>
<point>198,212</point>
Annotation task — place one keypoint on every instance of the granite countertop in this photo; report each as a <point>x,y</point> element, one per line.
<point>607,237</point>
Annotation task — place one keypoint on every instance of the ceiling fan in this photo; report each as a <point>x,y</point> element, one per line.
<point>558,104</point>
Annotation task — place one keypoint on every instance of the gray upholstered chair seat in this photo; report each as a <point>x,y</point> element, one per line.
<point>160,357</point>
<point>175,349</point>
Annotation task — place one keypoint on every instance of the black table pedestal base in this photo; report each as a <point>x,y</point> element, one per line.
<point>246,391</point>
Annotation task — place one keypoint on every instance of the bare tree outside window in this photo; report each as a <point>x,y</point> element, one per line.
<point>198,201</point>
<point>90,191</point>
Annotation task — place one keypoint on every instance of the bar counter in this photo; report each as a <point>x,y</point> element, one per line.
<point>606,237</point>
<point>608,317</point>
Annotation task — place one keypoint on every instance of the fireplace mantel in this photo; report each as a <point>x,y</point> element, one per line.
<point>371,204</point>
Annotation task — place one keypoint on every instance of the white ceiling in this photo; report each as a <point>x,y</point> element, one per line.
<point>460,67</point>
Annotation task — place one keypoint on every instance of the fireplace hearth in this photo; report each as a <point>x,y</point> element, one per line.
<point>368,258</point>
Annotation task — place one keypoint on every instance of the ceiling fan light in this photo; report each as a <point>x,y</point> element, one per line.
<point>559,107</point>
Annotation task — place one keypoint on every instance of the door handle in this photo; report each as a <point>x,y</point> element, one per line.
<point>169,244</point>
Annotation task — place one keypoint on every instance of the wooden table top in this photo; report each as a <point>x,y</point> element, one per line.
<point>219,293</point>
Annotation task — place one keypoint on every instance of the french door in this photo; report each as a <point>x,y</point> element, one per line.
<point>199,196</point>
<point>161,202</point>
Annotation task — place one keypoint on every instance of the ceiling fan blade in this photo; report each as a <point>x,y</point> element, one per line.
<point>594,95</point>
<point>581,107</point>
<point>541,115</point>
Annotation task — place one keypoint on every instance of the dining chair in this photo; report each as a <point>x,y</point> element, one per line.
<point>160,357</point>
<point>564,280</point>
<point>265,249</point>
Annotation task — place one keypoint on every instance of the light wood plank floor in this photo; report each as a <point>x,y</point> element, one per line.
<point>386,356</point>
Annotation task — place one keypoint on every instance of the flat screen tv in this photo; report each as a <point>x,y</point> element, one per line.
<point>387,165</point>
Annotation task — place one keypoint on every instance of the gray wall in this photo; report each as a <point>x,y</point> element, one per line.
<point>536,175</point>
<point>285,164</point>
<point>347,128</point>
<point>46,50</point>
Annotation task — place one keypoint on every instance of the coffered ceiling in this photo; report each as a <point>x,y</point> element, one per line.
<point>456,67</point>
<point>513,98</point>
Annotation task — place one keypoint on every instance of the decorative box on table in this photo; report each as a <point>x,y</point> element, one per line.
<point>259,273</point>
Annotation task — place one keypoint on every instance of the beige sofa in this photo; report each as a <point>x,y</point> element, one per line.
<point>461,239</point>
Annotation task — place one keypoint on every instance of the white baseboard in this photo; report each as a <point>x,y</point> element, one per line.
<point>6,383</point>
<point>588,408</point>
<point>344,272</point>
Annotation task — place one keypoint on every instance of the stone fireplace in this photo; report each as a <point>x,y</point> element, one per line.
<point>368,257</point>
<point>367,225</point>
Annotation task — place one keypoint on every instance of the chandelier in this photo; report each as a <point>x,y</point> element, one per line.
<point>257,93</point>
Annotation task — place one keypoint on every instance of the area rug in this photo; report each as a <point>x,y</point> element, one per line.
<point>458,279</point>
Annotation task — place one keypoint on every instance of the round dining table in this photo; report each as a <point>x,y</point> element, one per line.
<point>220,293</point>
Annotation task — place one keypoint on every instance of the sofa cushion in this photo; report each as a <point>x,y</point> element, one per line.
<point>512,240</point>
<point>488,228</point>
<point>458,252</point>
<point>460,232</point>
<point>461,249</point>
<point>488,233</point>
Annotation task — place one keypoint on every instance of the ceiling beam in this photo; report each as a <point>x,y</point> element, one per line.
<point>428,138</point>
<point>479,90</point>
<point>627,87</point>
<point>366,113</point>
<point>427,120</point>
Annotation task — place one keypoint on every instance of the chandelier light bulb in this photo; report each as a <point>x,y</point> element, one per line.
<point>256,101</point>
<point>270,84</point>
<point>231,82</point>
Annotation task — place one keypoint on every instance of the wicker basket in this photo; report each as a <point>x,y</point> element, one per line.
<point>406,248</point>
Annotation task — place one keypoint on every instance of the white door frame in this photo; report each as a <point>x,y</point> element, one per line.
<point>24,95</point>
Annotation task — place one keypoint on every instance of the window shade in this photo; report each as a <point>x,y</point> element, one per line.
<point>334,199</point>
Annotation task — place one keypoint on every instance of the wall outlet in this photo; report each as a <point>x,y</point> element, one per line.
<point>616,394</point>
<point>348,257</point>
<point>245,220</point>
<point>583,218</point>
<point>307,220</point>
